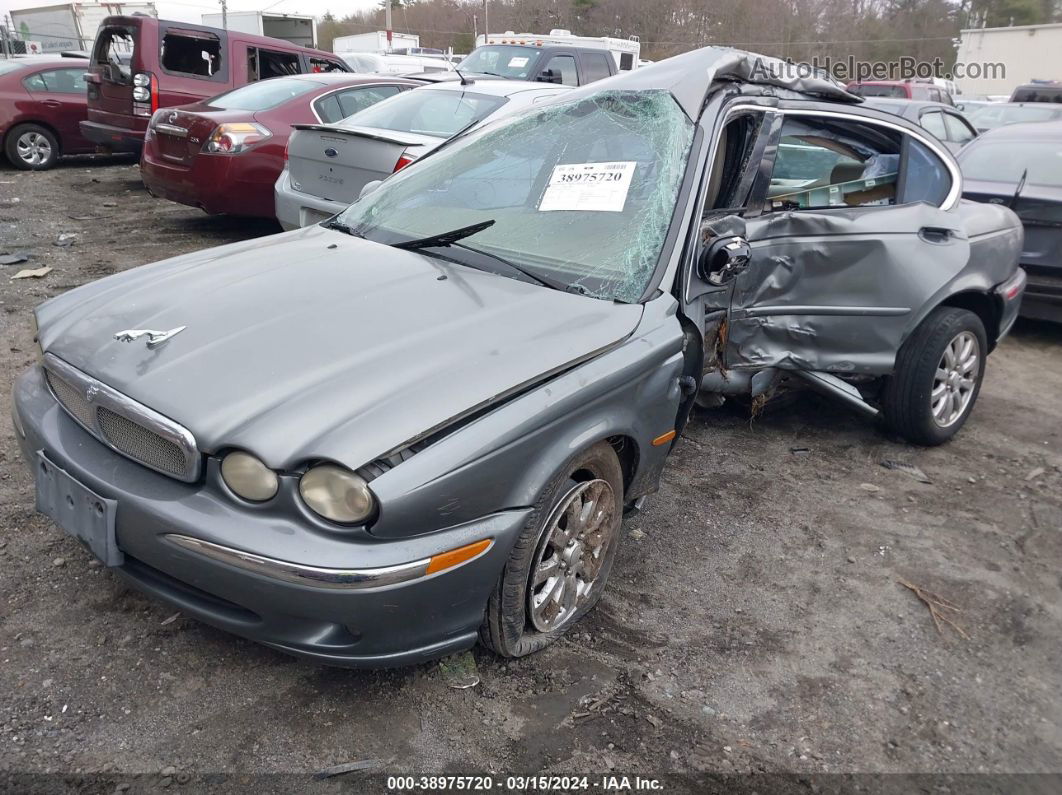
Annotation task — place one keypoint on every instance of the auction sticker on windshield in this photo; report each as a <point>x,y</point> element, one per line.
<point>516,63</point>
<point>594,187</point>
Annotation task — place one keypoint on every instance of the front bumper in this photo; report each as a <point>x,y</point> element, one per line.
<point>355,622</point>
<point>296,209</point>
<point>112,138</point>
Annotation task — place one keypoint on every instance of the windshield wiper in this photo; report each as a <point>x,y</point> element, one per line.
<point>339,226</point>
<point>543,280</point>
<point>444,239</point>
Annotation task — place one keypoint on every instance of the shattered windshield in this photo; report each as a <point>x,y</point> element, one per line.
<point>581,193</point>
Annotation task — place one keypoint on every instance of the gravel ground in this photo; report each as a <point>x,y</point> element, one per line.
<point>755,620</point>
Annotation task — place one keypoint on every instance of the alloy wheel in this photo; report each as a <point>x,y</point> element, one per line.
<point>571,554</point>
<point>33,148</point>
<point>956,379</point>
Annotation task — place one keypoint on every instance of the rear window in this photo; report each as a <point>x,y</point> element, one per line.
<point>428,112</point>
<point>113,52</point>
<point>869,90</point>
<point>192,53</point>
<point>1005,162</point>
<point>501,60</point>
<point>264,95</point>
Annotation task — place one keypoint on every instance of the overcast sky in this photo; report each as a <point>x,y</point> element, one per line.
<point>191,10</point>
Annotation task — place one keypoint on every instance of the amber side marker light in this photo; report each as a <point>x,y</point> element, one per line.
<point>664,438</point>
<point>455,557</point>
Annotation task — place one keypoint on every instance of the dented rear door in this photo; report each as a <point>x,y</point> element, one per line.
<point>837,287</point>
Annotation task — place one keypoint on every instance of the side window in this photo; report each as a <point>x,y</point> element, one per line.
<point>561,69</point>
<point>35,82</point>
<point>65,81</point>
<point>595,64</point>
<point>732,172</point>
<point>959,129</point>
<point>318,64</point>
<point>626,61</point>
<point>277,64</point>
<point>191,53</point>
<point>926,178</point>
<point>358,99</point>
<point>328,109</point>
<point>829,163</point>
<point>933,122</point>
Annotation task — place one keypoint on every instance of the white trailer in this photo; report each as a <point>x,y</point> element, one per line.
<point>1026,53</point>
<point>626,52</point>
<point>296,28</point>
<point>70,26</point>
<point>374,42</point>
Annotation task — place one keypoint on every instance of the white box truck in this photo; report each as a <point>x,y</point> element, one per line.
<point>70,27</point>
<point>296,28</point>
<point>374,42</point>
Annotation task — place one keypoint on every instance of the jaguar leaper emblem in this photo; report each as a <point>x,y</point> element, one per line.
<point>153,337</point>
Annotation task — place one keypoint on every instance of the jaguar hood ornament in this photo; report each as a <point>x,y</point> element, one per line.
<point>154,338</point>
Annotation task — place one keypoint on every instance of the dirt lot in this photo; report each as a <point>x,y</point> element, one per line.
<point>754,622</point>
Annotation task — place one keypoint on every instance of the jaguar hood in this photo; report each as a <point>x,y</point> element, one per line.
<point>314,344</point>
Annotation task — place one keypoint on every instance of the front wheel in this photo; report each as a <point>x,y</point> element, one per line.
<point>938,376</point>
<point>32,147</point>
<point>558,567</point>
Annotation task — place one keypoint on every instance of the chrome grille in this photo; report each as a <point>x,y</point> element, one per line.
<point>138,442</point>
<point>70,399</point>
<point>128,427</point>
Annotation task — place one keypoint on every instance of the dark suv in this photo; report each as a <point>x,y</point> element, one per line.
<point>569,66</point>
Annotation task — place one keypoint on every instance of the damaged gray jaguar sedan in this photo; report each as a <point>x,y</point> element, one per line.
<point>372,441</point>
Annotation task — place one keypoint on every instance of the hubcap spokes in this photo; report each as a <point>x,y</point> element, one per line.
<point>571,554</point>
<point>955,379</point>
<point>33,148</point>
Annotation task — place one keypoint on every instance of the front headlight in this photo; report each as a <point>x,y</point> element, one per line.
<point>337,494</point>
<point>248,477</point>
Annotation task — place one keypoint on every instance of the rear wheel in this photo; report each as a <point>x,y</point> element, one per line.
<point>32,147</point>
<point>938,377</point>
<point>558,567</point>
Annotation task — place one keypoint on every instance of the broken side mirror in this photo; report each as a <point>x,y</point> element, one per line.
<point>726,252</point>
<point>724,259</point>
<point>369,187</point>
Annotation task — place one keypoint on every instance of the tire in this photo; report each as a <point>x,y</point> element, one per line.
<point>31,147</point>
<point>932,367</point>
<point>524,616</point>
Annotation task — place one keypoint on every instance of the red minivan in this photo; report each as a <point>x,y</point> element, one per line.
<point>140,64</point>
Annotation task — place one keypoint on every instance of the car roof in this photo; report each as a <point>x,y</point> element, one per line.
<point>347,77</point>
<point>1028,131</point>
<point>692,76</point>
<point>898,106</point>
<point>31,61</point>
<point>497,88</point>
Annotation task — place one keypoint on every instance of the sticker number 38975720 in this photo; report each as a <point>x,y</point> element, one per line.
<point>590,187</point>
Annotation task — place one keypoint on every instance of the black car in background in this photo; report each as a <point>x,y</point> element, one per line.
<point>1020,165</point>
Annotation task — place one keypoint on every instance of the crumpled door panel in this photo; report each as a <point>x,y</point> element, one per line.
<point>838,290</point>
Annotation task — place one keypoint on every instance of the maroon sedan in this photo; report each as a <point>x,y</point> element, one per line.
<point>224,154</point>
<point>42,102</point>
